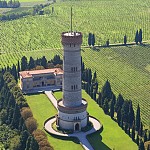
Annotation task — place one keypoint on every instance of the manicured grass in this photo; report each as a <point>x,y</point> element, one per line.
<point>112,136</point>
<point>43,109</point>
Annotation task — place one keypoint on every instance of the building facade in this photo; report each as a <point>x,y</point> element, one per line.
<point>72,114</point>
<point>40,78</point>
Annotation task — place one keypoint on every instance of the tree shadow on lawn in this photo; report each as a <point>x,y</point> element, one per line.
<point>95,140</point>
<point>73,139</point>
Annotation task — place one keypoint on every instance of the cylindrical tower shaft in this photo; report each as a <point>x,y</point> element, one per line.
<point>72,96</point>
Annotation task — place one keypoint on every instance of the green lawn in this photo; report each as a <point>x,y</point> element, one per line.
<point>43,109</point>
<point>112,135</point>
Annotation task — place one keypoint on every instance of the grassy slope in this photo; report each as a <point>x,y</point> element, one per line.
<point>43,109</point>
<point>112,135</point>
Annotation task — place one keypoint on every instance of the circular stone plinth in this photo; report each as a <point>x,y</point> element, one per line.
<point>49,123</point>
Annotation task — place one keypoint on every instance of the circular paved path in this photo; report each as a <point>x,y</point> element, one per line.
<point>80,135</point>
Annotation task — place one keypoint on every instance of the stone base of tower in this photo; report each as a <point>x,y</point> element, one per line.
<point>72,118</point>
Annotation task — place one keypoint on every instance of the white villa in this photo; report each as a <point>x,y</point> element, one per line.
<point>34,79</point>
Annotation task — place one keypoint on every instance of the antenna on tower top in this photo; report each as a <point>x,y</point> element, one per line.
<point>71,21</point>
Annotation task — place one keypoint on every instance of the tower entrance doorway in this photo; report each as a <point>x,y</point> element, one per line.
<point>77,127</point>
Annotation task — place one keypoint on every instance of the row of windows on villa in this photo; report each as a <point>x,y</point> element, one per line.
<point>74,87</point>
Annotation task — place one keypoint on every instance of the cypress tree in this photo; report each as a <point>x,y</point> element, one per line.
<point>121,123</point>
<point>107,43</point>
<point>99,99</point>
<point>119,116</point>
<point>23,139</point>
<point>90,39</point>
<point>137,139</point>
<point>16,117</point>
<point>14,72</point>
<point>94,95</point>
<point>133,133</point>
<point>89,76</point>
<point>113,98</point>
<point>106,91</point>
<point>125,111</point>
<point>141,129</point>
<point>112,109</point>
<point>131,115</point>
<point>137,37</point>
<point>24,63</point>
<point>31,64</point>
<point>126,128</point>
<point>138,119</point>
<point>140,36</point>
<point>141,145</point>
<point>93,40</point>
<point>119,102</point>
<point>145,137</point>
<point>18,68</point>
<point>28,142</point>
<point>106,106</point>
<point>125,40</point>
<point>44,62</point>
<point>128,132</point>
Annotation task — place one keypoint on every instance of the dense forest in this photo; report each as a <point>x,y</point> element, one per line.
<point>9,4</point>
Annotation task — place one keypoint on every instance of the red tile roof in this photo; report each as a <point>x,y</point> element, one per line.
<point>29,74</point>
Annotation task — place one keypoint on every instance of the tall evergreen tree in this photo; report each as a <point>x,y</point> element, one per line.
<point>90,39</point>
<point>18,68</point>
<point>137,37</point>
<point>119,102</point>
<point>137,139</point>
<point>106,106</point>
<point>89,76</point>
<point>140,36</point>
<point>138,118</point>
<point>14,72</point>
<point>16,117</point>
<point>112,109</point>
<point>93,39</point>
<point>106,91</point>
<point>131,114</point>
<point>44,62</point>
<point>23,139</point>
<point>99,99</point>
<point>119,116</point>
<point>107,43</point>
<point>24,64</point>
<point>125,111</point>
<point>125,40</point>
<point>145,137</point>
<point>28,142</point>
<point>133,133</point>
<point>141,129</point>
<point>141,145</point>
<point>31,64</point>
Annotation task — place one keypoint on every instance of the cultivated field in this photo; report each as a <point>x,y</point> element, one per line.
<point>127,68</point>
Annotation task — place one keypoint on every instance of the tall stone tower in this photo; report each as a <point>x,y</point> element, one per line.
<point>72,114</point>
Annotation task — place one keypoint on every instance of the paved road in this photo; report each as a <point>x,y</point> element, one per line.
<point>80,135</point>
<point>51,97</point>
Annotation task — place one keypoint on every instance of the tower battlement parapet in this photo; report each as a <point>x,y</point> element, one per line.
<point>71,38</point>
